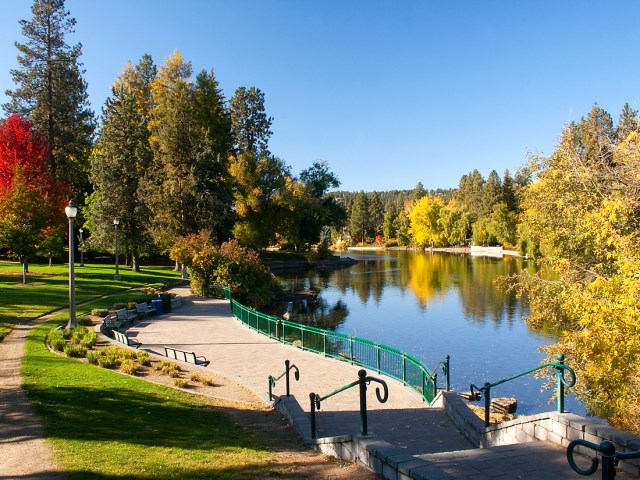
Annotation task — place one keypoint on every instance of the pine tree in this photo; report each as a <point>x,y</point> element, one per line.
<point>627,123</point>
<point>249,122</point>
<point>51,92</point>
<point>359,217</point>
<point>123,155</point>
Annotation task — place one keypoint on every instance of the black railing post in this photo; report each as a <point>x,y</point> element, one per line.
<point>487,404</point>
<point>286,364</point>
<point>445,367</point>
<point>560,385</point>
<point>435,385</point>
<point>608,451</point>
<point>272,383</point>
<point>363,401</point>
<point>312,399</point>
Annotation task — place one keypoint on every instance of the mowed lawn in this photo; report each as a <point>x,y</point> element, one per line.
<point>47,288</point>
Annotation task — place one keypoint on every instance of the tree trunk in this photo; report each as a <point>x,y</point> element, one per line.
<point>135,263</point>
<point>25,270</point>
<point>50,262</point>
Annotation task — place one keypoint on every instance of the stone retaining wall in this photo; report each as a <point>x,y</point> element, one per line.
<point>557,428</point>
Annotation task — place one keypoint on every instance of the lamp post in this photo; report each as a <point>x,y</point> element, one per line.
<point>71,210</point>
<point>81,248</point>
<point>116,222</point>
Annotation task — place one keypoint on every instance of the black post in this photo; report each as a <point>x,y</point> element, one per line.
<point>487,404</point>
<point>435,385</point>
<point>286,364</point>
<point>608,450</point>
<point>312,398</point>
<point>560,388</point>
<point>363,401</point>
<point>446,372</point>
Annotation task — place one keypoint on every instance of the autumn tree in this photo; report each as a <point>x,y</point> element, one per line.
<point>425,221</point>
<point>122,157</point>
<point>51,92</point>
<point>581,214</point>
<point>31,200</point>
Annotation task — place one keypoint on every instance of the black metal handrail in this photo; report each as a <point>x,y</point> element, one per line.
<point>433,377</point>
<point>362,381</point>
<point>561,382</point>
<point>610,458</point>
<point>273,380</point>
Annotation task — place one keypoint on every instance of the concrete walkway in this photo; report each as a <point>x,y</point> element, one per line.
<point>207,327</point>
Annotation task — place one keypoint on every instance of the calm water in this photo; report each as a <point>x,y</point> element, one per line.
<point>431,305</point>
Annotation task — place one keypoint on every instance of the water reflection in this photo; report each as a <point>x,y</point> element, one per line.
<point>430,305</point>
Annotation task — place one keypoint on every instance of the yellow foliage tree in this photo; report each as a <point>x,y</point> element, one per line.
<point>425,221</point>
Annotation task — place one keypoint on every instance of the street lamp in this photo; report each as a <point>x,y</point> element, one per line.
<point>81,248</point>
<point>71,210</point>
<point>116,222</point>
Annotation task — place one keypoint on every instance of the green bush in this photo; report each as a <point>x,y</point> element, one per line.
<point>110,362</point>
<point>56,339</point>
<point>84,321</point>
<point>131,305</point>
<point>100,312</point>
<point>75,350</point>
<point>119,306</point>
<point>93,356</point>
<point>181,383</point>
<point>67,333</point>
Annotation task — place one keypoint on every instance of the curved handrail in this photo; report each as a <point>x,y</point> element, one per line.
<point>561,382</point>
<point>288,367</point>
<point>610,458</point>
<point>363,381</point>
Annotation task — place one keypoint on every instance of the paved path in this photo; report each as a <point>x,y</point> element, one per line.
<point>208,328</point>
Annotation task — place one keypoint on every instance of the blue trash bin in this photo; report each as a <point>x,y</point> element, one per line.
<point>157,304</point>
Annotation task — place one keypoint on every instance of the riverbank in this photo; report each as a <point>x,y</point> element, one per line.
<point>475,250</point>
<point>333,262</point>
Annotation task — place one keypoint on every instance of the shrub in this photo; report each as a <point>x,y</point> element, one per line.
<point>143,358</point>
<point>167,368</point>
<point>93,356</point>
<point>108,361</point>
<point>67,333</point>
<point>131,305</point>
<point>181,383</point>
<point>119,306</point>
<point>75,350</point>
<point>56,339</point>
<point>129,366</point>
<point>84,321</point>
<point>100,312</point>
<point>89,339</point>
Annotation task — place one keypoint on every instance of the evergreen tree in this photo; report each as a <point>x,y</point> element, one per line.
<point>359,218</point>
<point>123,155</point>
<point>51,92</point>
<point>417,193</point>
<point>627,123</point>
<point>249,122</point>
<point>470,193</point>
<point>508,192</point>
<point>491,194</point>
<point>376,213</point>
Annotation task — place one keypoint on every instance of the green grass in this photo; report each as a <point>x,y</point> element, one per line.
<point>106,425</point>
<point>48,288</point>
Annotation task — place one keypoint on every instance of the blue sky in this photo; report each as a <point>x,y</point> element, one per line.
<point>388,92</point>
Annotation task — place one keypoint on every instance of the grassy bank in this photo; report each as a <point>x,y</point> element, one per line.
<point>48,288</point>
<point>106,425</point>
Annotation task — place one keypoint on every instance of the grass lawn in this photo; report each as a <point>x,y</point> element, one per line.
<point>48,288</point>
<point>106,425</point>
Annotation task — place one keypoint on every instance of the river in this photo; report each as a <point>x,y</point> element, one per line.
<point>431,305</point>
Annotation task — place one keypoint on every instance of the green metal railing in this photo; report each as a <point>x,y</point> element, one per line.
<point>288,366</point>
<point>381,358</point>
<point>561,382</point>
<point>609,455</point>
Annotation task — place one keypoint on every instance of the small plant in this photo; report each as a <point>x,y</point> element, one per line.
<point>67,333</point>
<point>85,321</point>
<point>181,383</point>
<point>75,350</point>
<point>167,368</point>
<point>203,380</point>
<point>129,366</point>
<point>143,358</point>
<point>93,356</point>
<point>195,377</point>
<point>100,312</point>
<point>108,361</point>
<point>119,306</point>
<point>56,339</point>
<point>131,305</point>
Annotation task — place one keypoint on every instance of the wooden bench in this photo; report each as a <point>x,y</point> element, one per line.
<point>123,338</point>
<point>125,315</point>
<point>183,356</point>
<point>144,309</point>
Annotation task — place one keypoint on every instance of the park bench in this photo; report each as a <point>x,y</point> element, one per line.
<point>123,338</point>
<point>183,356</point>
<point>144,309</point>
<point>125,315</point>
<point>111,322</point>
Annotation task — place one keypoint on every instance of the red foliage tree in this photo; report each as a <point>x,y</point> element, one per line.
<point>31,200</point>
